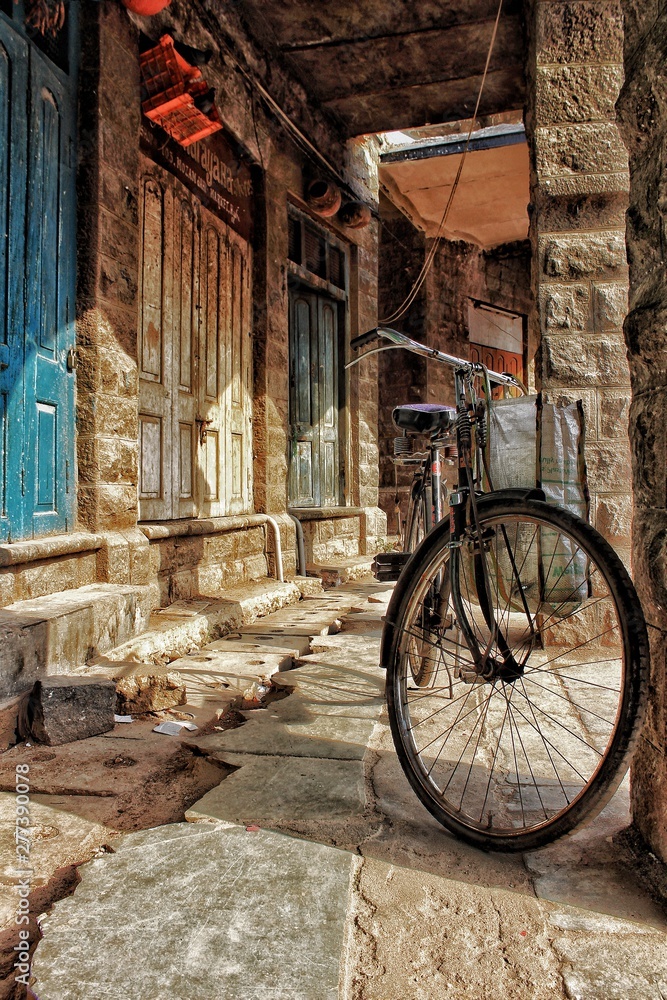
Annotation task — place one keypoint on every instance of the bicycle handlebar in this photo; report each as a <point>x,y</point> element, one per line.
<point>399,339</point>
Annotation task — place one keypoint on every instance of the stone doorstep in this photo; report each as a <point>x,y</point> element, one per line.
<point>337,572</point>
<point>186,625</point>
<point>56,633</point>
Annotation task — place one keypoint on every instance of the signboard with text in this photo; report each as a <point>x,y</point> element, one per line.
<point>215,169</point>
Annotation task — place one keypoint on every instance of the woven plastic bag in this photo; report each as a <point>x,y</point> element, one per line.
<point>533,443</point>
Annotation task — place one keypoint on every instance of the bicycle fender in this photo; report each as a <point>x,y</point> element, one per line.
<point>512,493</point>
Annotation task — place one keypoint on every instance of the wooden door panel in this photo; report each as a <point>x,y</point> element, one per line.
<point>304,479</point>
<point>152,282</point>
<point>304,473</point>
<point>49,335</point>
<point>195,380</point>
<point>183,333</point>
<point>13,182</point>
<point>155,350</point>
<point>239,393</point>
<point>150,457</point>
<point>328,395</point>
<point>212,470</point>
<point>211,351</point>
<point>497,360</point>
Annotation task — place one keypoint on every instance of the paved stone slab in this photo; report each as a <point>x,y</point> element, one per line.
<point>175,630</point>
<point>273,629</point>
<point>416,935</point>
<point>329,714</point>
<point>282,649</point>
<point>294,645</point>
<point>57,838</point>
<point>259,916</point>
<point>609,958</point>
<point>55,633</point>
<point>274,791</point>
<point>217,667</point>
<point>587,869</point>
<point>346,646</point>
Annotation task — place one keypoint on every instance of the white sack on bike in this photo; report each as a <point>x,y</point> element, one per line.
<point>534,443</point>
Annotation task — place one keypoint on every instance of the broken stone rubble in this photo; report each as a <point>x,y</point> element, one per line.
<point>62,709</point>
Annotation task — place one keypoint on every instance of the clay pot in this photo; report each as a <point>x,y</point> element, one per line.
<point>355,215</point>
<point>323,197</point>
<point>146,7</point>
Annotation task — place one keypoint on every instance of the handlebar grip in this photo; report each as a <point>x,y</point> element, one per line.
<point>363,338</point>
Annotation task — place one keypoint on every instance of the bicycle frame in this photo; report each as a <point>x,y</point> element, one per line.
<point>471,439</point>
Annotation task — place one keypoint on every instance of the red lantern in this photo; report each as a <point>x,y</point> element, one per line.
<point>146,7</point>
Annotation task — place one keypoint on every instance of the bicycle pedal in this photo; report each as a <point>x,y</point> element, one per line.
<point>387,566</point>
<point>469,676</point>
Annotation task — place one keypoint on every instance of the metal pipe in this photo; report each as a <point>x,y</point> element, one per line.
<point>300,546</point>
<point>279,550</point>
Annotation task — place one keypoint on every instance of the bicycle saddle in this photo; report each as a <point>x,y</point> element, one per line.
<point>425,418</point>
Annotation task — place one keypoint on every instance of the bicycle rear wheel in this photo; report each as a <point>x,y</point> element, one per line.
<point>520,757</point>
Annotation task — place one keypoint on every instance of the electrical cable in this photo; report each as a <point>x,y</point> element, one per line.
<point>428,263</point>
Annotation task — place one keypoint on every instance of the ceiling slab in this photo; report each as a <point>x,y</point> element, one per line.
<point>490,206</point>
<point>385,64</point>
<point>451,100</point>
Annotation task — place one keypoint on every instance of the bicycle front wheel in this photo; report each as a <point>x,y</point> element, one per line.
<point>518,754</point>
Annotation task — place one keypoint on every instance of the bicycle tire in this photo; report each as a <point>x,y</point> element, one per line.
<point>530,757</point>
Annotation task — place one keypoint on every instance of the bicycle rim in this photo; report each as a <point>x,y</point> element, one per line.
<point>520,758</point>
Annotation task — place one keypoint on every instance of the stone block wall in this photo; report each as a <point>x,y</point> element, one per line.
<point>579,184</point>
<point>642,109</point>
<point>107,382</point>
<point>206,565</point>
<point>402,376</point>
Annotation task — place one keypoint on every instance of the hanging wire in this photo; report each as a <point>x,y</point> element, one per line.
<point>428,263</point>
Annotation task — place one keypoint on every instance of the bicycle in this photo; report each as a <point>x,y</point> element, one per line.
<point>515,648</point>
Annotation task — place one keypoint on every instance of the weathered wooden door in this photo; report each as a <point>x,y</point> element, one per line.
<point>238,392</point>
<point>195,375</point>
<point>37,274</point>
<point>314,465</point>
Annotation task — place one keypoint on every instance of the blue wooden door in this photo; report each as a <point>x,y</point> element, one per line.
<point>38,388</point>
<point>13,161</point>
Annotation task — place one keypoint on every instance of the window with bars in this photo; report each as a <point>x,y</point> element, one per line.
<point>310,248</point>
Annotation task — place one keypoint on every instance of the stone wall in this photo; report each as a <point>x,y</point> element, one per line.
<point>107,382</point>
<point>579,186</point>
<point>642,110</point>
<point>113,547</point>
<point>402,376</point>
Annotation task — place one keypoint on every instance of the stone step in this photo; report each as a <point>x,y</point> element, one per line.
<point>337,572</point>
<point>190,624</point>
<point>59,633</point>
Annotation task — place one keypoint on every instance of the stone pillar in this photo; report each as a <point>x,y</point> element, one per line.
<point>642,109</point>
<point>108,239</point>
<point>579,184</point>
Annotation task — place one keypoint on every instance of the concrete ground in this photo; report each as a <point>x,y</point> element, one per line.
<point>293,860</point>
